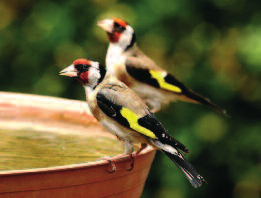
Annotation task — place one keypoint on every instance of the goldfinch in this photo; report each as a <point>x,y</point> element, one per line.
<point>130,65</point>
<point>120,111</point>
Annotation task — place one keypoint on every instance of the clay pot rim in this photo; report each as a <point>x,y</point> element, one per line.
<point>101,162</point>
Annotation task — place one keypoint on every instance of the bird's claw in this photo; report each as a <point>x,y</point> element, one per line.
<point>132,156</point>
<point>131,160</point>
<point>113,167</point>
<point>112,163</point>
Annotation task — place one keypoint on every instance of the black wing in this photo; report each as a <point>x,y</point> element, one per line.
<point>111,109</point>
<point>166,81</point>
<point>152,123</point>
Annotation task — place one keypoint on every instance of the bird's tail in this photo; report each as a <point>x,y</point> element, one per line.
<point>204,101</point>
<point>191,174</point>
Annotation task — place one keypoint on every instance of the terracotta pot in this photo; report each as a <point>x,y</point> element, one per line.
<point>75,180</point>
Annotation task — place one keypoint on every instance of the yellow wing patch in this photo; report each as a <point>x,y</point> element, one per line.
<point>133,121</point>
<point>159,76</point>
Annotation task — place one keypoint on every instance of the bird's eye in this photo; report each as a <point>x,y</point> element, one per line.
<point>81,67</point>
<point>85,67</point>
<point>118,27</point>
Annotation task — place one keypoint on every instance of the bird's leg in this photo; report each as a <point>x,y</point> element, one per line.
<point>132,156</point>
<point>112,163</point>
<point>128,147</point>
<point>142,147</point>
<point>131,160</point>
<point>129,151</point>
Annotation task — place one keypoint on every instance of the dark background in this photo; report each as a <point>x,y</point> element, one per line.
<point>213,46</point>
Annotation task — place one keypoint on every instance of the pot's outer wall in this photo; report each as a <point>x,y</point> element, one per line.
<point>81,181</point>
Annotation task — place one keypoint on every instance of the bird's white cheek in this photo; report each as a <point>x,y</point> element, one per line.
<point>94,76</point>
<point>125,38</point>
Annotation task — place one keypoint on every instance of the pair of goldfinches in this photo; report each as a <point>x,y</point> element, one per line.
<point>118,98</point>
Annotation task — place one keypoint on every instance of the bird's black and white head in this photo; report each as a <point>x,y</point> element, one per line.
<point>119,32</point>
<point>88,73</point>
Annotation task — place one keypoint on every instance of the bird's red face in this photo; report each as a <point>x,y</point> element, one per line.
<point>79,69</point>
<point>114,28</point>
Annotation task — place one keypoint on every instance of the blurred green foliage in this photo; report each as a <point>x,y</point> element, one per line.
<point>213,46</point>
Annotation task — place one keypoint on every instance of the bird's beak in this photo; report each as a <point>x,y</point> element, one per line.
<point>106,24</point>
<point>69,71</point>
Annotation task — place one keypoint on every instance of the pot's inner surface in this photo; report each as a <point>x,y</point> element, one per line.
<point>38,131</point>
<point>26,149</point>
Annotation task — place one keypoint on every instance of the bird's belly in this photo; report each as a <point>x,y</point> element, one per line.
<point>123,132</point>
<point>152,93</point>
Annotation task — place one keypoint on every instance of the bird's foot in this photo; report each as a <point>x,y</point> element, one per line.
<point>142,147</point>
<point>112,163</point>
<point>132,156</point>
